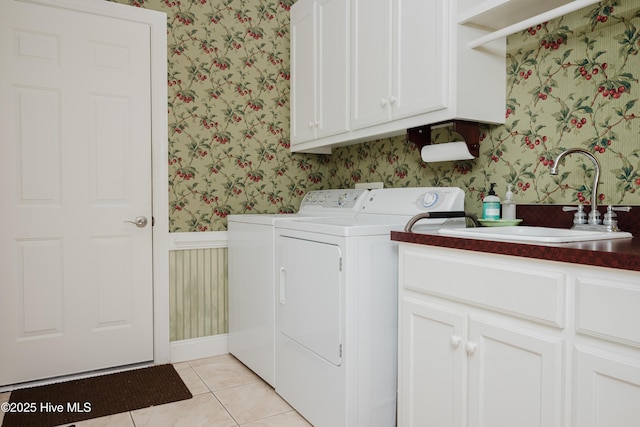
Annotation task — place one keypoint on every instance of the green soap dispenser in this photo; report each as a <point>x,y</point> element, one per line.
<point>491,205</point>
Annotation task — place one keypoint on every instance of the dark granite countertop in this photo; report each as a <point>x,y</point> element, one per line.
<point>621,254</point>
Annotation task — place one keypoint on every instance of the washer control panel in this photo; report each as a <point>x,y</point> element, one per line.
<point>413,200</point>
<point>392,201</point>
<point>325,200</point>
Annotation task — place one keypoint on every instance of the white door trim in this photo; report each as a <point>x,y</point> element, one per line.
<point>157,22</point>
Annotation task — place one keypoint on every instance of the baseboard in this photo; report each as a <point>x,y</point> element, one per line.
<point>199,348</point>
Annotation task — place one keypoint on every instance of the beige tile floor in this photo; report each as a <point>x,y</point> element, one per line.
<point>225,394</point>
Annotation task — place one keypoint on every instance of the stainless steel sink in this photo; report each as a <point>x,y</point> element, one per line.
<point>529,234</point>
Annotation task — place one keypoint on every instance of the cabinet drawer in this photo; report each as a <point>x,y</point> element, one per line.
<point>503,284</point>
<point>609,308</point>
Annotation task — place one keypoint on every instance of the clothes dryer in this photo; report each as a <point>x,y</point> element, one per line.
<point>251,272</point>
<point>336,308</point>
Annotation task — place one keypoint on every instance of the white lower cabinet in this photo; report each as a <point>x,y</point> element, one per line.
<point>606,384</point>
<point>431,364</point>
<point>501,341</point>
<point>607,389</point>
<point>512,376</point>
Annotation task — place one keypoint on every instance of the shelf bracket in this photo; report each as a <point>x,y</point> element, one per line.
<point>470,132</point>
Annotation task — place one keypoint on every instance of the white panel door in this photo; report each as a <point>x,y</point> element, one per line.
<point>75,164</point>
<point>420,57</point>
<point>319,69</point>
<point>515,376</point>
<point>303,72</point>
<point>432,363</point>
<point>333,67</point>
<point>606,389</point>
<point>371,62</point>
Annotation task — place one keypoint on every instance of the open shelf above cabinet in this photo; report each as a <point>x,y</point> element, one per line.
<point>497,14</point>
<point>506,17</point>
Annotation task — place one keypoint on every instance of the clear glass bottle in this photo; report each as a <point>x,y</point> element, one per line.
<point>508,205</point>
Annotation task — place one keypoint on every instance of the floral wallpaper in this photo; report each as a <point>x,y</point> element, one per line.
<point>571,82</point>
<point>228,106</point>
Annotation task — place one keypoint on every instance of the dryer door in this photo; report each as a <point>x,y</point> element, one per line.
<point>310,295</point>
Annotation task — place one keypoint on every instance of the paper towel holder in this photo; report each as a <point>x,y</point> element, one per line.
<point>470,132</point>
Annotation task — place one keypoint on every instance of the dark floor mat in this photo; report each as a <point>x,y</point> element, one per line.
<point>77,400</point>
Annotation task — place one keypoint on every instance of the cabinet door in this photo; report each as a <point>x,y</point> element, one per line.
<point>420,56</point>
<point>607,390</point>
<point>371,62</point>
<point>515,377</point>
<point>332,113</point>
<point>431,364</point>
<point>303,71</point>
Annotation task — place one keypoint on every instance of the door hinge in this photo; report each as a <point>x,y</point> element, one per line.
<point>340,264</point>
<point>340,351</point>
<point>153,221</point>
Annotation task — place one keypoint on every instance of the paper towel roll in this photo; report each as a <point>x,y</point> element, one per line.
<point>446,151</point>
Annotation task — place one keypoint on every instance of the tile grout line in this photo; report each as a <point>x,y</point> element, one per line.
<point>213,394</point>
<point>257,381</point>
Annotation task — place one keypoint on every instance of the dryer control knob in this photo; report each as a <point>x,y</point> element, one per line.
<point>429,199</point>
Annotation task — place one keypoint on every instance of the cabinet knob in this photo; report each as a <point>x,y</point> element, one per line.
<point>311,124</point>
<point>455,340</point>
<point>471,347</point>
<point>392,100</point>
<point>383,102</point>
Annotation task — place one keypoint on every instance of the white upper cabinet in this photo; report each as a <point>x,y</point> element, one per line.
<point>319,69</point>
<point>410,65</point>
<point>396,78</point>
<point>371,62</point>
<point>303,72</point>
<point>420,56</point>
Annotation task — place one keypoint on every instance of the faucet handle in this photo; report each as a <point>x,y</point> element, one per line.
<point>619,208</point>
<point>610,217</point>
<point>579,217</point>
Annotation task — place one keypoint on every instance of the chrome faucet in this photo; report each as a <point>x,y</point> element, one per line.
<point>594,215</point>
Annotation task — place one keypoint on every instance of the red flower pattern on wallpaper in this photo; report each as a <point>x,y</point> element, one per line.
<point>571,82</point>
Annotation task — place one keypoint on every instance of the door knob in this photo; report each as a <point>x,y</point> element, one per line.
<point>140,221</point>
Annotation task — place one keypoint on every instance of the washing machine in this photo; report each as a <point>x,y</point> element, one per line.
<point>251,273</point>
<point>336,306</point>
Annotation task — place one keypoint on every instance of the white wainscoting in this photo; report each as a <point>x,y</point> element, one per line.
<point>198,295</point>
